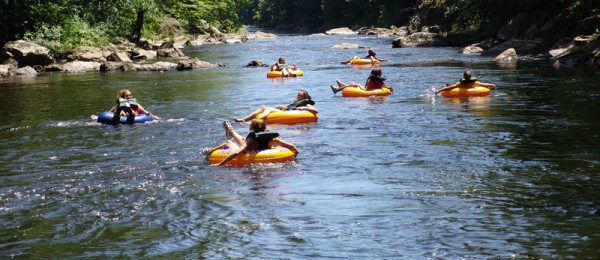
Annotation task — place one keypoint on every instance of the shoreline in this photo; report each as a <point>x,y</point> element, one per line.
<point>583,51</point>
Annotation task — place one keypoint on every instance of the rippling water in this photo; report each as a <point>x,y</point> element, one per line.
<point>512,175</point>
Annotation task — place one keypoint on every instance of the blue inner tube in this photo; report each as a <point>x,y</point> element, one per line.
<point>106,117</point>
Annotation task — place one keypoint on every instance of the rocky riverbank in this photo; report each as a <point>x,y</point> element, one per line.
<point>22,58</point>
<point>560,41</point>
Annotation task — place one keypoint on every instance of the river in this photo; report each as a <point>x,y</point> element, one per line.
<point>409,176</point>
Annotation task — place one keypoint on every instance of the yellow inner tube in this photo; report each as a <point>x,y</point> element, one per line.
<point>273,155</point>
<point>466,92</point>
<point>290,117</point>
<point>364,62</point>
<point>279,74</point>
<point>357,92</point>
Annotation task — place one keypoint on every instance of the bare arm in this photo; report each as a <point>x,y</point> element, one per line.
<point>308,108</point>
<point>487,85</point>
<point>447,88</point>
<point>288,145</point>
<point>141,108</point>
<point>234,154</point>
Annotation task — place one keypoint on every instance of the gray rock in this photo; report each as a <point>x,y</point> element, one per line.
<point>24,71</point>
<point>340,31</point>
<point>256,63</point>
<point>27,53</point>
<point>170,52</point>
<point>5,68</point>
<point>81,66</point>
<point>472,49</point>
<point>522,46</point>
<point>344,46</point>
<point>420,39</point>
<point>141,54</point>
<point>87,54</point>
<point>119,57</point>
<point>509,55</point>
<point>194,63</point>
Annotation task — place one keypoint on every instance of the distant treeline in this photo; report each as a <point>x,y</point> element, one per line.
<point>477,15</point>
<point>67,23</point>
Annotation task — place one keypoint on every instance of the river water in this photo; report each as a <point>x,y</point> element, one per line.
<point>409,176</point>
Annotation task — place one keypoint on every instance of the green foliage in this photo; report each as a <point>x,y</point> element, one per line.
<point>75,32</point>
<point>190,13</point>
<point>93,22</point>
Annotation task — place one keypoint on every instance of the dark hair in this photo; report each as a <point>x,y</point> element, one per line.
<point>467,75</point>
<point>376,72</point>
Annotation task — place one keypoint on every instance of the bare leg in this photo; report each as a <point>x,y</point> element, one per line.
<point>239,140</point>
<point>334,89</point>
<point>349,85</point>
<point>229,144</point>
<point>292,72</point>
<point>267,111</point>
<point>252,115</point>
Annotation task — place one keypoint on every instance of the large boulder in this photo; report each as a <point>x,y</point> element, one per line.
<point>83,53</point>
<point>79,66</point>
<point>509,56</point>
<point>522,46</point>
<point>24,71</point>
<point>420,39</point>
<point>5,69</point>
<point>340,31</point>
<point>583,53</point>
<point>472,49</point>
<point>232,38</point>
<point>141,54</point>
<point>119,57</point>
<point>194,63</point>
<point>27,53</point>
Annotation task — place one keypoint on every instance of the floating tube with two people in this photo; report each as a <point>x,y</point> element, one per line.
<point>467,87</point>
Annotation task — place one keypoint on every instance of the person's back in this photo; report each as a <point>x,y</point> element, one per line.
<point>375,81</point>
<point>260,140</point>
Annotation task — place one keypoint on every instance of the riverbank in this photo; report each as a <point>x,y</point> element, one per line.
<point>22,58</point>
<point>560,44</point>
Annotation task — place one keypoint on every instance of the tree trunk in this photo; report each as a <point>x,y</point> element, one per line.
<point>139,24</point>
<point>7,21</point>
